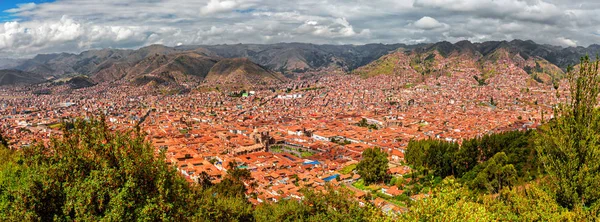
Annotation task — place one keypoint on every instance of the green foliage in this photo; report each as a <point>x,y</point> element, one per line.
<point>385,65</point>
<point>430,58</point>
<point>94,174</point>
<point>3,142</point>
<point>492,102</point>
<point>517,145</point>
<point>305,154</point>
<point>433,154</point>
<point>238,94</point>
<point>233,184</point>
<point>363,123</point>
<point>361,185</point>
<point>569,146</point>
<point>544,72</point>
<point>454,202</point>
<point>331,205</point>
<point>480,80</point>
<point>492,175</point>
<point>450,202</point>
<point>426,65</point>
<point>488,163</point>
<point>374,165</point>
<point>348,169</point>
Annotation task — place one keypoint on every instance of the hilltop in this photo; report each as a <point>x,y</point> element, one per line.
<point>11,77</point>
<point>478,60</point>
<point>241,70</point>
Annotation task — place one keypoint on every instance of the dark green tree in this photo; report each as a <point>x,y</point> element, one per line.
<point>569,145</point>
<point>363,123</point>
<point>94,174</point>
<point>432,154</point>
<point>373,166</point>
<point>517,145</point>
<point>493,175</point>
<point>233,184</point>
<point>204,180</point>
<point>3,142</point>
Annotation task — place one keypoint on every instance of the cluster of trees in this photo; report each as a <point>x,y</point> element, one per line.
<point>374,166</point>
<point>530,70</point>
<point>453,201</point>
<point>449,159</point>
<point>94,174</point>
<point>364,123</point>
<point>480,80</point>
<point>238,94</point>
<point>487,162</point>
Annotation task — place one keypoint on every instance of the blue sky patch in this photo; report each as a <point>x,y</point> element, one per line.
<point>11,4</point>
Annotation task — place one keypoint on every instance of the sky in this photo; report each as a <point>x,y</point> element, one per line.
<point>49,26</point>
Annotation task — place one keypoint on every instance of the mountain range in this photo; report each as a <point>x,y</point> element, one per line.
<point>264,63</point>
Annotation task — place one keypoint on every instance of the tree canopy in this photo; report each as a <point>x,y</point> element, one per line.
<point>473,156</point>
<point>569,146</point>
<point>373,166</point>
<point>433,154</point>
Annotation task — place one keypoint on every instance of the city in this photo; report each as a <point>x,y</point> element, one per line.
<point>253,110</point>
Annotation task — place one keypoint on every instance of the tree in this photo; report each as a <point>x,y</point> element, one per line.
<point>94,174</point>
<point>494,174</point>
<point>451,202</point>
<point>333,204</point>
<point>433,154</point>
<point>480,80</point>
<point>362,123</point>
<point>233,184</point>
<point>569,145</point>
<point>204,180</point>
<point>3,142</point>
<point>374,165</point>
<point>517,145</point>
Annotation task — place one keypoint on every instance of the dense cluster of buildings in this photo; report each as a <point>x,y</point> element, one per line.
<point>293,135</point>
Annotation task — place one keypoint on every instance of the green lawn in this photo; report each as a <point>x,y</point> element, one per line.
<point>306,154</point>
<point>55,126</point>
<point>348,169</point>
<point>390,199</point>
<point>275,149</point>
<point>360,184</point>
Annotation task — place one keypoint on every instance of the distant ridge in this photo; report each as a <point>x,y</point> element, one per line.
<point>193,63</point>
<point>15,77</point>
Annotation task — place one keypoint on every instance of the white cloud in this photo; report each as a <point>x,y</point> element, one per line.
<point>428,23</point>
<point>77,25</point>
<point>339,27</point>
<point>22,8</point>
<point>566,42</point>
<point>215,6</point>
